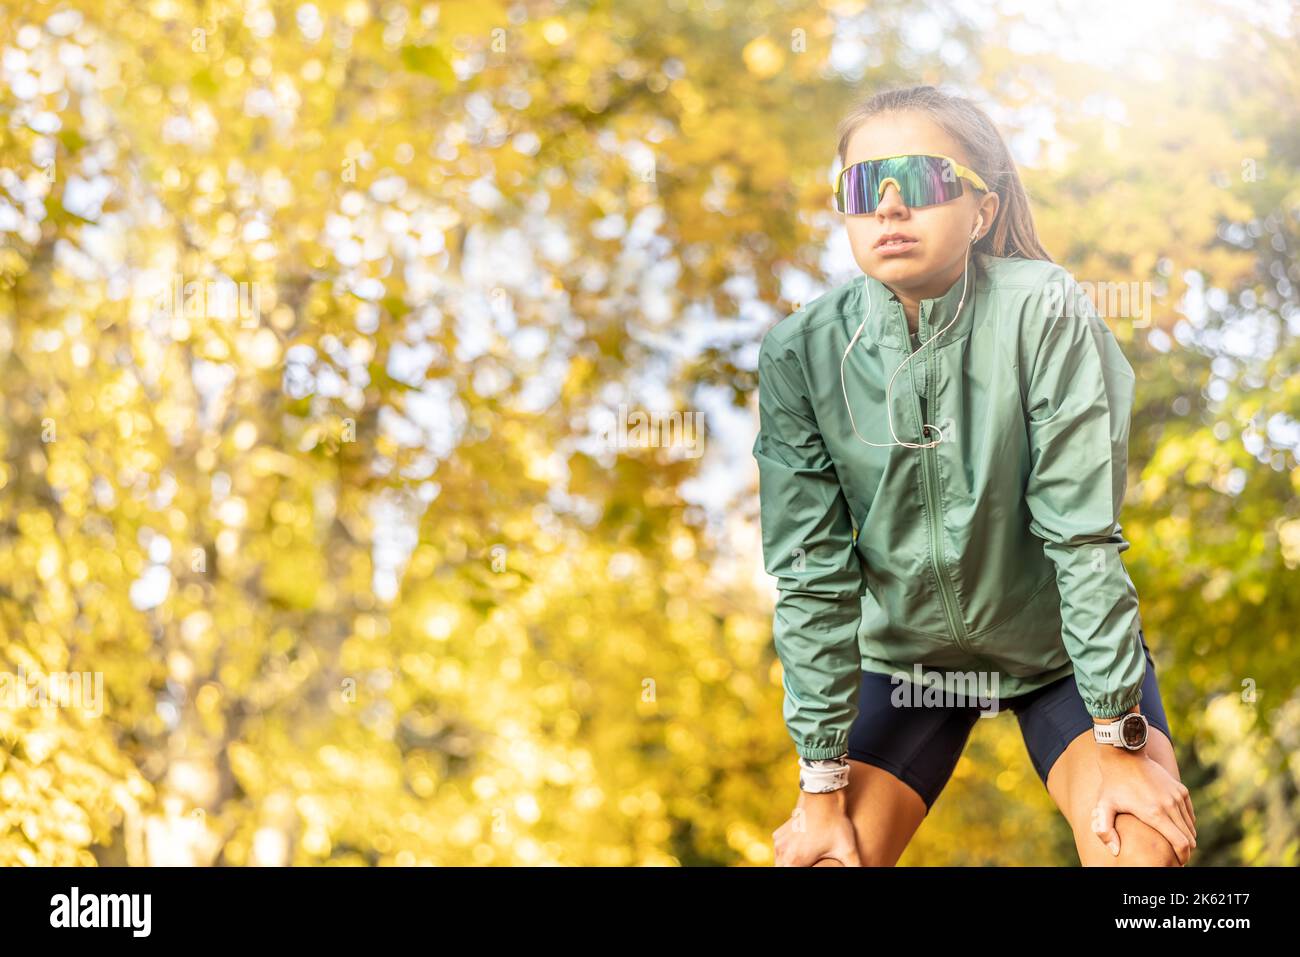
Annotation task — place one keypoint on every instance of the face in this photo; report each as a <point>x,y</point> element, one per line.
<point>928,264</point>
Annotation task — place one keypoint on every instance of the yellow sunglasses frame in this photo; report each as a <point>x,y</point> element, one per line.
<point>961,171</point>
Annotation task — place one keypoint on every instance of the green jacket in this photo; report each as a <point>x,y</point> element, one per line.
<point>998,550</point>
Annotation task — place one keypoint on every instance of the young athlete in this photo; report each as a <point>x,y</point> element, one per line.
<point>942,454</point>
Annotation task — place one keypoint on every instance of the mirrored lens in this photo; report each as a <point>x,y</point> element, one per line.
<point>922,181</point>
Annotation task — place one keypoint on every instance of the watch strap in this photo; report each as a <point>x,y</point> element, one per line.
<point>1107,733</point>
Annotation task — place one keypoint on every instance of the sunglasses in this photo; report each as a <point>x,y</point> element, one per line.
<point>922,179</point>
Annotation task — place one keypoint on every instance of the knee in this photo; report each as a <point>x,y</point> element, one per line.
<point>1141,845</point>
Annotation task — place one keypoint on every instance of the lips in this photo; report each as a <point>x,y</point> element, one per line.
<point>894,241</point>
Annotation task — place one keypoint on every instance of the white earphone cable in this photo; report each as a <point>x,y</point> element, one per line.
<point>925,427</point>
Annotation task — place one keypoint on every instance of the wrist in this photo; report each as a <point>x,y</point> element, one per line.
<point>823,775</point>
<point>1119,767</point>
<point>1110,756</point>
<point>830,803</point>
<point>1125,732</point>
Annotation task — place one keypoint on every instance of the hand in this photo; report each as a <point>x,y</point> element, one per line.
<point>1132,782</point>
<point>818,832</point>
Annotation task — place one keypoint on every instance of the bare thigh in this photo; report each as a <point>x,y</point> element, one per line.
<point>885,812</point>
<point>1074,782</point>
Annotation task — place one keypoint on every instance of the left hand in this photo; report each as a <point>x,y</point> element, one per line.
<point>1134,783</point>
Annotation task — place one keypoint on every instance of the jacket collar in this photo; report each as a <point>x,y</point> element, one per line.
<point>888,326</point>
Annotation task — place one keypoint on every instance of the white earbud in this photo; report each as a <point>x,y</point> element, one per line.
<point>978,227</point>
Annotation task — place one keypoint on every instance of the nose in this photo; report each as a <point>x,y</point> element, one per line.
<point>891,201</point>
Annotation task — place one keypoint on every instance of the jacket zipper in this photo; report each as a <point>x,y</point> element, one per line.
<point>930,477</point>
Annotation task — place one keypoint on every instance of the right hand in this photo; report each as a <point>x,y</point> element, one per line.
<point>818,829</point>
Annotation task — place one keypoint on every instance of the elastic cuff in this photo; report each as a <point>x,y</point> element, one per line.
<point>821,753</point>
<point>1098,710</point>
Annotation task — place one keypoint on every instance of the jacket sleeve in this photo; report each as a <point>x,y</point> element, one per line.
<point>1078,404</point>
<point>807,534</point>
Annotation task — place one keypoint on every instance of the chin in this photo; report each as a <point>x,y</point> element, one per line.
<point>897,269</point>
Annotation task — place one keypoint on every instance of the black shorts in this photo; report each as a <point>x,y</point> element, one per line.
<point>920,746</point>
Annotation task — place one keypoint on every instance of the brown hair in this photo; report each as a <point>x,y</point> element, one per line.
<point>1013,233</point>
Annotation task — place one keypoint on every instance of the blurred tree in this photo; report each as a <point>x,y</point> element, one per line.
<point>311,316</point>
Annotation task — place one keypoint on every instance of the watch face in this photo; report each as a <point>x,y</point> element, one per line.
<point>1133,731</point>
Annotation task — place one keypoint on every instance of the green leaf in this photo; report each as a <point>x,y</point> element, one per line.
<point>430,61</point>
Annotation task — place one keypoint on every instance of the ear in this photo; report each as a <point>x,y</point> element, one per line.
<point>988,209</point>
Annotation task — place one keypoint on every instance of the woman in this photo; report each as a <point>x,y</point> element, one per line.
<point>977,554</point>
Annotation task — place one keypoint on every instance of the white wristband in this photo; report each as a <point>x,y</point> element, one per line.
<point>820,776</point>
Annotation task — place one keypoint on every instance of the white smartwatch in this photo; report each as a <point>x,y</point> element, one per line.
<point>1130,732</point>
